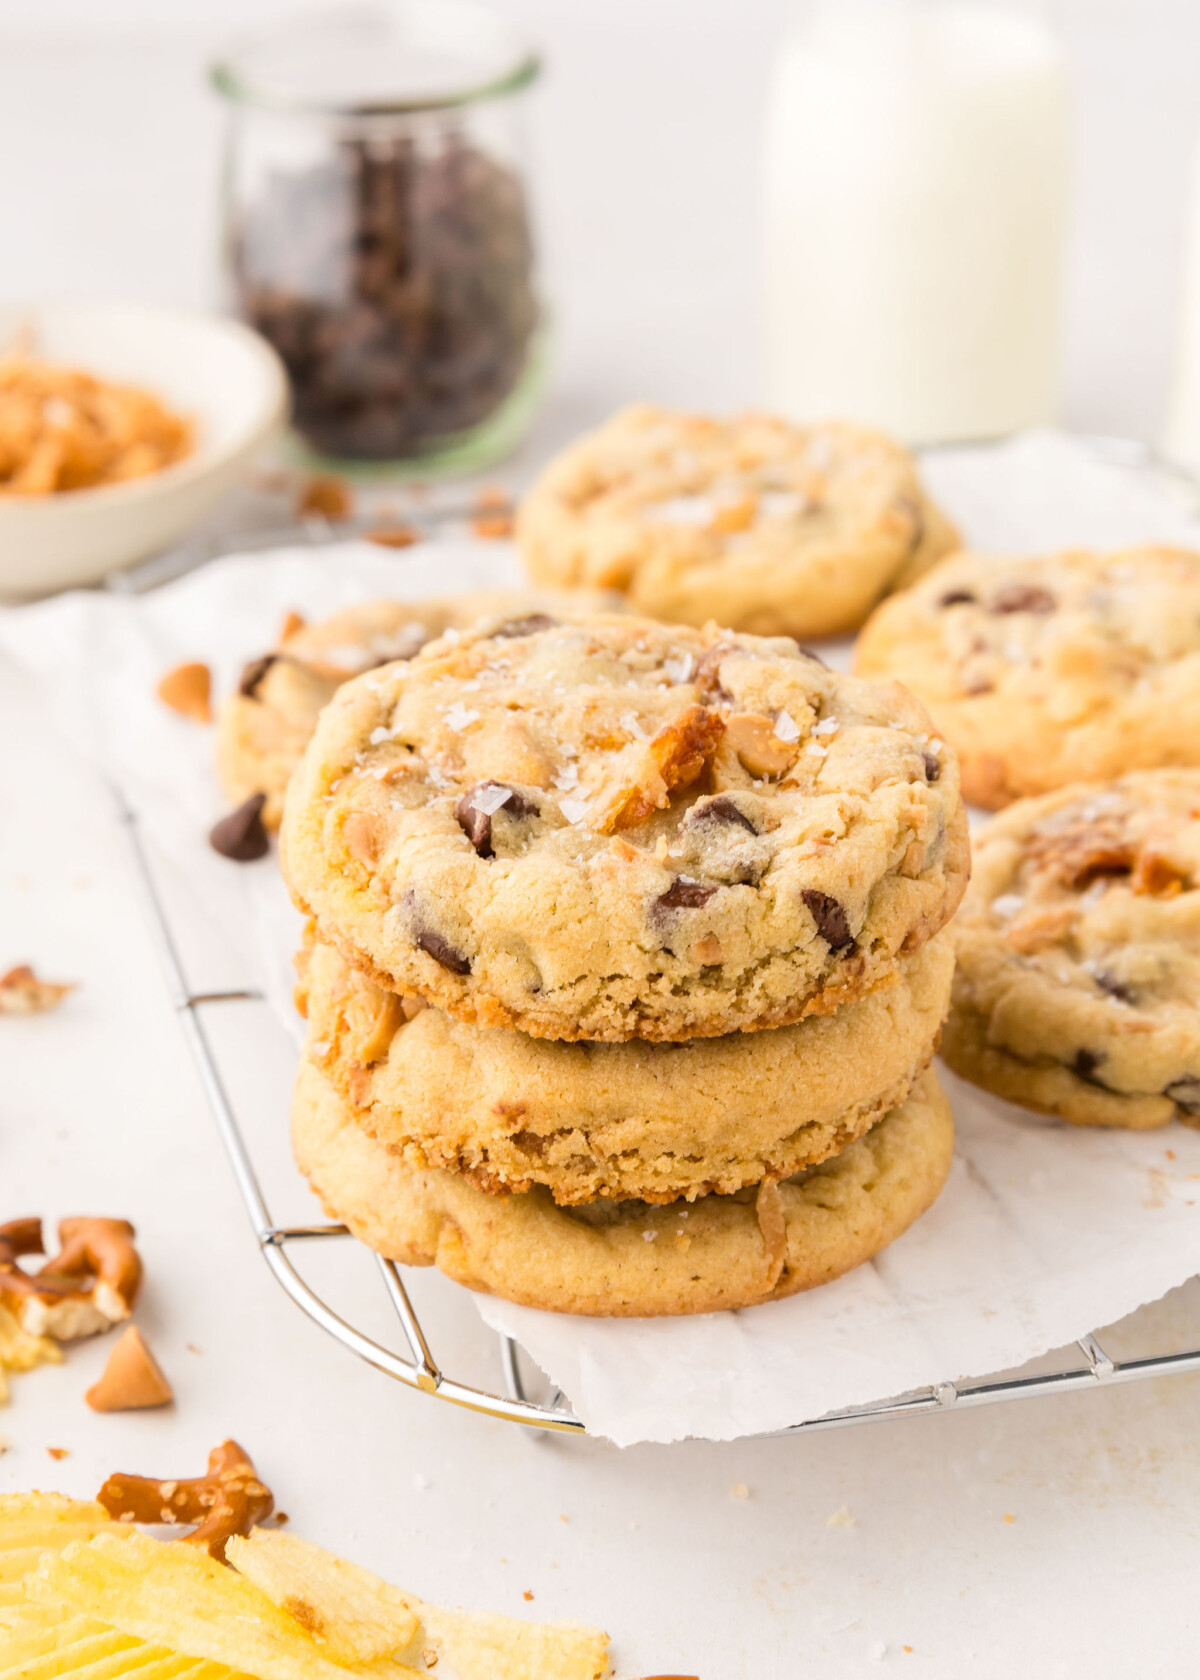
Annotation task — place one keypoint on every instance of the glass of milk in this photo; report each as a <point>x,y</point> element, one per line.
<point>916,179</point>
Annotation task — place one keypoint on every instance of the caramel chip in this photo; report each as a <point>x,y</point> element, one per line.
<point>394,536</point>
<point>292,621</point>
<point>132,1380</point>
<point>492,525</point>
<point>188,690</point>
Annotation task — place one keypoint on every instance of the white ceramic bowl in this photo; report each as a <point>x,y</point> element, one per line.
<point>218,373</point>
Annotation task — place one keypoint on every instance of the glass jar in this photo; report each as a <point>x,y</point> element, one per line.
<point>378,229</point>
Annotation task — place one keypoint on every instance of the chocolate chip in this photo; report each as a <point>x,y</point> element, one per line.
<point>528,626</point>
<point>685,894</point>
<point>395,276</point>
<point>933,767</point>
<point>477,824</point>
<point>441,951</point>
<point>1116,988</point>
<point>956,598</point>
<point>1185,1093</point>
<point>722,811</point>
<point>253,674</point>
<point>1022,597</point>
<point>242,835</point>
<point>1085,1064</point>
<point>830,919</point>
<point>808,653</point>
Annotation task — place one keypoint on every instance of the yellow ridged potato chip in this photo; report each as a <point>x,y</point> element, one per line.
<point>32,1524</point>
<point>482,1647</point>
<point>353,1613</point>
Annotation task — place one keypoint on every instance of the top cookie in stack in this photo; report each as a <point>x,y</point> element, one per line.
<point>611,828</point>
<point>759,524</point>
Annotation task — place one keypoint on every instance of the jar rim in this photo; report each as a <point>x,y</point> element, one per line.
<point>242,78</point>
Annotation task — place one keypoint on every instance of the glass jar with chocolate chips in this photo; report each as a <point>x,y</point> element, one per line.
<point>378,228</point>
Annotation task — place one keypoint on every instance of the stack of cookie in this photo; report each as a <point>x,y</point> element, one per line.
<point>625,966</point>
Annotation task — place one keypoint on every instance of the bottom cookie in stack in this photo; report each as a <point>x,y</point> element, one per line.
<point>630,1259</point>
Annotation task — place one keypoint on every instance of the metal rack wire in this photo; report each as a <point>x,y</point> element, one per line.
<point>420,1369</point>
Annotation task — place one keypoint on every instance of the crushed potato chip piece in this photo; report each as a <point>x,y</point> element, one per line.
<point>32,1524</point>
<point>20,1351</point>
<point>354,1613</point>
<point>483,1647</point>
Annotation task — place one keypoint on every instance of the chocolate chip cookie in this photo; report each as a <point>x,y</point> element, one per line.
<point>1078,983</point>
<point>264,727</point>
<point>755,523</point>
<point>1042,672</point>
<point>651,1121</point>
<point>611,828</point>
<point>629,1259</point>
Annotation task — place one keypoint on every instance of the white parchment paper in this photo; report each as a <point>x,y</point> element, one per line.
<point>1043,1232</point>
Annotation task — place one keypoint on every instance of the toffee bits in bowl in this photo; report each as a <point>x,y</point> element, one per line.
<point>379,233</point>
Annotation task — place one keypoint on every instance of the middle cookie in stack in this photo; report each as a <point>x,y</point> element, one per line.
<point>661,842</point>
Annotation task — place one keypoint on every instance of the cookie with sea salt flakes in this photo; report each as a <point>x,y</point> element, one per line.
<point>758,524</point>
<point>264,727</point>
<point>1077,990</point>
<point>629,1259</point>
<point>651,1121</point>
<point>611,828</point>
<point>1042,672</point>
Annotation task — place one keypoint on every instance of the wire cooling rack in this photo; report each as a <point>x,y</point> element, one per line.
<point>279,1244</point>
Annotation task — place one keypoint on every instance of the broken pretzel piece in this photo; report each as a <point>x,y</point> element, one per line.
<point>90,1284</point>
<point>674,758</point>
<point>22,993</point>
<point>229,1499</point>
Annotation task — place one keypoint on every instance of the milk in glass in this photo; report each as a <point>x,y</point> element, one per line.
<point>916,205</point>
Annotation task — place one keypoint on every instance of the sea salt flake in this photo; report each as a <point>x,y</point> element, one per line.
<point>786,727</point>
<point>827,726</point>
<point>490,799</point>
<point>574,809</point>
<point>381,733</point>
<point>681,510</point>
<point>459,716</point>
<point>630,721</point>
<point>649,1236</point>
<point>1007,905</point>
<point>567,778</point>
<point>678,666</point>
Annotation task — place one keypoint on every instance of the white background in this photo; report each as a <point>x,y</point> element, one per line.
<point>648,141</point>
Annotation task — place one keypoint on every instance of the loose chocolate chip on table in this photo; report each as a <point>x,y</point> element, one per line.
<point>722,811</point>
<point>830,919</point>
<point>241,835</point>
<point>685,894</point>
<point>956,598</point>
<point>1022,597</point>
<point>253,674</point>
<point>528,626</point>
<point>933,767</point>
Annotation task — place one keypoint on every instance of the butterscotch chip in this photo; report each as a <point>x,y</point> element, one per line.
<point>394,536</point>
<point>132,1379</point>
<point>622,1259</point>
<point>562,833</point>
<point>188,690</point>
<point>1078,983</point>
<point>292,622</point>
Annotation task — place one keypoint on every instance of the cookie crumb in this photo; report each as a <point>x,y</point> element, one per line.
<point>58,1453</point>
<point>841,1518</point>
<point>22,993</point>
<point>1008,1517</point>
<point>739,1490</point>
<point>324,498</point>
<point>527,1596</point>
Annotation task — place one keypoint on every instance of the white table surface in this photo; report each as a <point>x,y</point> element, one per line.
<point>1044,1537</point>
